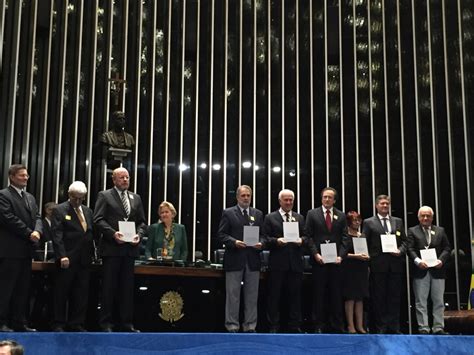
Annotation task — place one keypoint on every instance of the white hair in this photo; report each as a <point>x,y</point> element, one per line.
<point>428,208</point>
<point>286,192</point>
<point>78,187</point>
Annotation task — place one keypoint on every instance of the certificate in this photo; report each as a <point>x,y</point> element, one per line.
<point>360,246</point>
<point>389,243</point>
<point>291,232</point>
<point>329,252</point>
<point>251,235</point>
<point>429,256</point>
<point>128,230</point>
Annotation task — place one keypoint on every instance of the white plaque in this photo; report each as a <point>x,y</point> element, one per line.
<point>128,231</point>
<point>429,256</point>
<point>291,232</point>
<point>360,246</point>
<point>389,243</point>
<point>251,235</point>
<point>329,252</point>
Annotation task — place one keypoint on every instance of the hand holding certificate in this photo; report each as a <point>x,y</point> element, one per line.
<point>129,233</point>
<point>291,232</point>
<point>389,243</point>
<point>429,257</point>
<point>251,235</point>
<point>329,252</point>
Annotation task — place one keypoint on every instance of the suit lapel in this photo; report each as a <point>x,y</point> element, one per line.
<point>118,200</point>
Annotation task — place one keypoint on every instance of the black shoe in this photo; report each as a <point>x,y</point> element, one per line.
<point>250,331</point>
<point>296,330</point>
<point>5,329</point>
<point>273,330</point>
<point>318,331</point>
<point>129,329</point>
<point>232,330</point>
<point>423,332</point>
<point>106,329</point>
<point>24,328</point>
<point>77,329</point>
<point>440,332</point>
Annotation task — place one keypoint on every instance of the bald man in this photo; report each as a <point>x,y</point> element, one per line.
<point>118,256</point>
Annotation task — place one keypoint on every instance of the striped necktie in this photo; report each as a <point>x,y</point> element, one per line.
<point>124,198</point>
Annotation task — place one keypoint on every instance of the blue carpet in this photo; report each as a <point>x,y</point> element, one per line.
<point>250,344</point>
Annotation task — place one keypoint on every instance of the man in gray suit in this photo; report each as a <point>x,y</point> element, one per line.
<point>241,261</point>
<point>20,230</point>
<point>428,279</point>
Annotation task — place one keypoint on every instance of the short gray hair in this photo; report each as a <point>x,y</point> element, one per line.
<point>286,192</point>
<point>425,208</point>
<point>78,187</point>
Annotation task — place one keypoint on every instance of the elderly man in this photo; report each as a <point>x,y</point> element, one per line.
<point>241,261</point>
<point>20,230</point>
<point>118,255</point>
<point>429,275</point>
<point>10,347</point>
<point>285,263</point>
<point>72,241</point>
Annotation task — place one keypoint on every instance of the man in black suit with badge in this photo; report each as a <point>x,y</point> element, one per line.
<point>118,256</point>
<point>20,230</point>
<point>429,275</point>
<point>386,268</point>
<point>73,248</point>
<point>285,263</point>
<point>241,261</point>
<point>325,225</point>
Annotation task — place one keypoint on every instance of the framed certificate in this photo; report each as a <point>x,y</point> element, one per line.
<point>251,235</point>
<point>291,231</point>
<point>128,230</point>
<point>329,252</point>
<point>389,243</point>
<point>360,246</point>
<point>429,256</point>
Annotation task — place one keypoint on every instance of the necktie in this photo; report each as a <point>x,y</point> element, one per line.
<point>124,198</point>
<point>246,215</point>
<point>328,220</point>
<point>23,196</point>
<point>287,216</point>
<point>81,218</point>
<point>427,235</point>
<point>385,226</point>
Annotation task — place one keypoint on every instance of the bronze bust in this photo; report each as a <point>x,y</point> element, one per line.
<point>117,137</point>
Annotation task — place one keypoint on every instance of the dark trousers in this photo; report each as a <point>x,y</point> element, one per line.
<point>327,297</point>
<point>385,297</point>
<point>117,288</point>
<point>71,290</point>
<point>291,282</point>
<point>15,277</point>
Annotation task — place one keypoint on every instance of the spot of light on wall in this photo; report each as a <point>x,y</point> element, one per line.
<point>203,166</point>
<point>87,162</point>
<point>205,291</point>
<point>183,167</point>
<point>143,288</point>
<point>292,173</point>
<point>276,169</point>
<point>216,167</point>
<point>256,167</point>
<point>246,164</point>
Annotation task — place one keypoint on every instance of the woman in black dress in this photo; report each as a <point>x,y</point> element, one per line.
<point>355,275</point>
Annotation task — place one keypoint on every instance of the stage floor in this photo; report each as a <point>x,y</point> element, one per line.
<point>250,344</point>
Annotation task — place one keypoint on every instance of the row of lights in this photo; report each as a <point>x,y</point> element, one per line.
<point>245,165</point>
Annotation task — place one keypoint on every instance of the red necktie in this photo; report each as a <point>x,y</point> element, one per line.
<point>328,220</point>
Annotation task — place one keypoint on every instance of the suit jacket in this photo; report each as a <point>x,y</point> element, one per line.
<point>439,241</point>
<point>108,212</point>
<point>289,256</point>
<point>318,232</point>
<point>69,238</point>
<point>231,228</point>
<point>156,235</point>
<point>17,221</point>
<point>379,261</point>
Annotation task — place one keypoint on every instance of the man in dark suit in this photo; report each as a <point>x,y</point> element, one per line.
<point>326,224</point>
<point>241,261</point>
<point>118,256</point>
<point>428,279</point>
<point>72,240</point>
<point>386,269</point>
<point>20,229</point>
<point>286,264</point>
